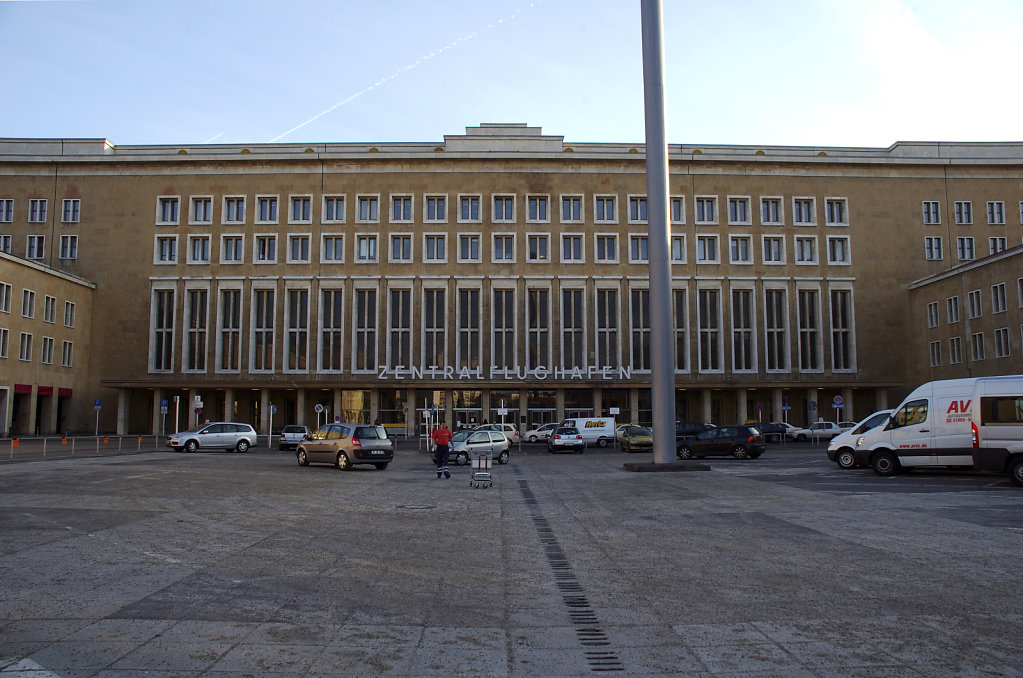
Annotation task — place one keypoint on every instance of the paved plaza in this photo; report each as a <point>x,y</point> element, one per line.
<point>215,564</point>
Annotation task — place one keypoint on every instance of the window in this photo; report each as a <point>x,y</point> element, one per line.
<point>266,209</point>
<point>399,328</point>
<point>607,328</point>
<point>166,210</point>
<point>964,212</point>
<point>298,249</point>
<point>6,210</point>
<point>975,304</point>
<point>538,328</point>
<point>681,314</point>
<point>162,344</point>
<point>369,209</point>
<point>841,331</point>
<point>932,212</point>
<point>5,243</point>
<point>572,248</point>
<point>264,314</point>
<point>198,249</point>
<point>196,310</point>
<point>436,209</point>
<point>639,316</point>
<point>774,250</point>
<point>964,249</point>
<point>838,250</point>
<point>401,208</point>
<point>5,297</point>
<point>707,249</point>
<point>365,248</point>
<point>998,303</point>
<point>804,211</point>
<point>25,347</point>
<point>46,351</point>
<point>468,319</point>
<point>69,314</point>
<point>935,354</point>
<point>809,330</point>
<point>952,309</point>
<point>201,211</point>
<point>67,350</point>
<point>741,249</point>
<point>230,344</point>
<point>571,209</point>
<point>469,247</point>
<point>234,209</point>
<point>71,211</point>
<point>434,332</point>
<point>537,247</point>
<point>265,249</point>
<point>401,250</point>
<point>434,250</point>
<point>35,246</point>
<point>333,209</point>
<point>537,206</point>
<point>49,309</point>
<point>955,350</point>
<point>771,211</point>
<point>504,208</point>
<point>5,339</point>
<point>301,209</point>
<point>332,249</point>
<point>637,209</point>
<point>297,333</point>
<point>606,248</point>
<point>573,317</point>
<point>37,211</point>
<point>1002,342</point>
<point>977,345</point>
<point>468,208</point>
<point>232,249</point>
<point>605,210</point>
<point>996,245</point>
<point>806,250</point>
<point>709,318</point>
<point>677,208</point>
<point>776,350</point>
<point>932,314</point>
<point>835,212</point>
<point>28,304</point>
<point>332,307</point>
<point>738,211</point>
<point>742,331</point>
<point>503,329</point>
<point>638,249</point>
<point>678,249</point>
<point>996,213</point>
<point>69,247</point>
<point>932,248</point>
<point>706,210</point>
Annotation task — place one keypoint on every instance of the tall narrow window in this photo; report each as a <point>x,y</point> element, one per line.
<point>332,309</point>
<point>163,330</point>
<point>681,330</point>
<point>469,329</point>
<point>572,318</point>
<point>195,338</point>
<point>776,349</point>
<point>72,211</point>
<point>434,340</point>
<point>298,330</point>
<point>709,311</point>
<point>742,330</point>
<point>538,329</point>
<point>400,329</point>
<point>809,330</point>
<point>503,341</point>
<point>640,316</point>
<point>841,330</point>
<point>263,326</point>
<point>607,328</point>
<point>365,355</point>
<point>37,210</point>
<point>230,330</point>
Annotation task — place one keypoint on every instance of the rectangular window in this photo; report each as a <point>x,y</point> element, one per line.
<point>964,212</point>
<point>434,250</point>
<point>232,249</point>
<point>332,249</point>
<point>503,248</point>
<point>401,248</point>
<point>804,211</point>
<point>741,249</point>
<point>265,249</point>
<point>468,247</point>
<point>369,209</point>
<point>5,243</point>
<point>68,247</point>
<point>771,211</point>
<point>738,211</point>
<point>399,328</point>
<point>638,249</point>
<point>5,340</point>
<point>434,332</point>
<point>975,304</point>
<point>67,350</point>
<point>71,211</point>
<point>573,317</point>
<point>46,351</point>
<point>196,318</point>
<point>809,330</point>
<point>230,345</point>
<point>436,209</point>
<point>298,249</point>
<point>6,210</point>
<point>504,208</point>
<point>198,249</point>
<point>841,331</point>
<point>932,248</point>
<point>69,314</point>
<point>977,346</point>
<point>955,351</point>
<point>605,210</point>
<point>932,212</point>
<point>571,209</point>
<point>835,212</point>
<point>607,328</point>
<point>166,210</point>
<point>776,348</point>
<point>952,309</point>
<point>234,210</point>
<point>639,315</point>
<point>637,210</point>
<point>774,250</point>
<point>838,250</point>
<point>681,309</point>
<point>35,247</point>
<point>28,304</point>
<point>332,322</point>
<point>677,208</point>
<point>365,248</point>
<point>678,249</point>
<point>998,302</point>
<point>266,209</point>
<point>996,245</point>
<point>707,249</point>
<point>935,354</point>
<point>606,249</point>
<point>25,347</point>
<point>202,211</point>
<point>706,210</point>
<point>537,206</point>
<point>468,329</point>
<point>401,208</point>
<point>333,209</point>
<point>964,249</point>
<point>503,359</point>
<point>742,331</point>
<point>1002,342</point>
<point>572,248</point>
<point>996,213</point>
<point>264,313</point>
<point>709,318</point>
<point>5,297</point>
<point>538,328</point>
<point>49,309</point>
<point>933,319</point>
<point>301,209</point>
<point>537,247</point>
<point>806,250</point>
<point>365,349</point>
<point>297,337</point>
<point>468,208</point>
<point>37,210</point>
<point>163,331</point>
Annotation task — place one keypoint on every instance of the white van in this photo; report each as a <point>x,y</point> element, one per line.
<point>966,423</point>
<point>599,431</point>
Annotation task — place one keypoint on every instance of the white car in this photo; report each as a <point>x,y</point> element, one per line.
<point>467,445</point>
<point>818,429</point>
<point>509,430</point>
<point>539,433</point>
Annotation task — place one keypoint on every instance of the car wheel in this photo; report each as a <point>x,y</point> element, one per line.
<point>191,446</point>
<point>1016,472</point>
<point>462,459</point>
<point>242,446</point>
<point>502,458</point>
<point>381,465</point>
<point>302,459</point>
<point>602,442</point>
<point>740,452</point>
<point>885,463</point>
<point>343,462</point>
<point>801,438</point>
<point>683,452</point>
<point>845,459</point>
<point>532,439</point>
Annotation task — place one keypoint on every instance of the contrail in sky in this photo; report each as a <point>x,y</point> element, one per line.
<point>405,69</point>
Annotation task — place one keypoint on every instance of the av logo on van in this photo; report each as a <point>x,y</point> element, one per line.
<point>958,411</point>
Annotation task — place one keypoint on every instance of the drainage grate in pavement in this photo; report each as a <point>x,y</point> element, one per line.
<point>584,619</point>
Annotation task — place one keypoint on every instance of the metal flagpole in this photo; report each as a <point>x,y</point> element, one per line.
<point>662,363</point>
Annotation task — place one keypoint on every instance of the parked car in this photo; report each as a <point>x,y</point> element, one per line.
<point>225,435</point>
<point>467,445</point>
<point>637,439</point>
<point>346,445</point>
<point>566,439</point>
<point>818,429</point>
<point>840,450</point>
<point>620,431</point>
<point>511,432</point>
<point>291,436</point>
<point>741,442</point>
<point>539,433</point>
<point>775,431</point>
<point>690,429</point>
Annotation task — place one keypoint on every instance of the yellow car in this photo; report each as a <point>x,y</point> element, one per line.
<point>637,439</point>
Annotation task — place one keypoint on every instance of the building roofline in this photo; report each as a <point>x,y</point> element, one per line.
<point>70,277</point>
<point>963,268</point>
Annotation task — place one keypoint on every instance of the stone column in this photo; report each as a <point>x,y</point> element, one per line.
<point>741,411</point>
<point>264,411</point>
<point>811,397</point>
<point>705,406</point>
<point>778,402</point>
<point>848,412</point>
<point>301,407</point>
<point>881,399</point>
<point>228,404</point>
<point>158,418</point>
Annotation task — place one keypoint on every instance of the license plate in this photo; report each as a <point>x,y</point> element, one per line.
<point>377,452</point>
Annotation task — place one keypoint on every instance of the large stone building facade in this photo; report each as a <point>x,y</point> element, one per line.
<point>500,270</point>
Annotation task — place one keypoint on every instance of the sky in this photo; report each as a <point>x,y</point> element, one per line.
<point>760,72</point>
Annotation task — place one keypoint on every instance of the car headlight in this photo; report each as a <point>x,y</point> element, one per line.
<point>859,441</point>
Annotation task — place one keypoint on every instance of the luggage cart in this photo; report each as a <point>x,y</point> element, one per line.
<point>481,476</point>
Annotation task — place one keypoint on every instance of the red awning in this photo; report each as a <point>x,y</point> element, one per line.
<point>44,390</point>
<point>22,388</point>
<point>63,393</point>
